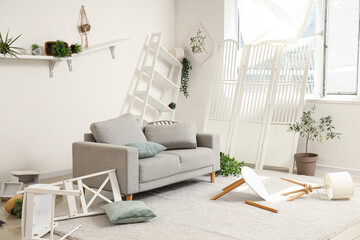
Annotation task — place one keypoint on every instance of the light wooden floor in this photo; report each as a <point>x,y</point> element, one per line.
<point>12,229</point>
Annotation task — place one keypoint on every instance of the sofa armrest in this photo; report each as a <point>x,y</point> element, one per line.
<point>210,140</point>
<point>91,157</point>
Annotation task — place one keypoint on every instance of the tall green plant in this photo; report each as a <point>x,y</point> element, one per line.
<point>229,166</point>
<point>185,76</point>
<point>6,45</point>
<point>314,130</point>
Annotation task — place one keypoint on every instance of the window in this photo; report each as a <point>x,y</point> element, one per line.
<point>342,46</point>
<point>337,35</point>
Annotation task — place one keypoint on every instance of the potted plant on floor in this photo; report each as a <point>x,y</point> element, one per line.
<point>312,130</point>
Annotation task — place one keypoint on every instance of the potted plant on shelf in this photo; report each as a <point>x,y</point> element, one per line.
<point>75,48</point>
<point>35,49</point>
<point>6,47</point>
<point>312,130</point>
<point>57,48</point>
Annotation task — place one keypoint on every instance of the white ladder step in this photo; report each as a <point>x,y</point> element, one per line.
<point>167,56</point>
<point>161,79</point>
<point>153,102</point>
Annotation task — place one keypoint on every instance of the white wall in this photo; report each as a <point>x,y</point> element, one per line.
<point>42,116</point>
<point>343,153</point>
<point>187,14</point>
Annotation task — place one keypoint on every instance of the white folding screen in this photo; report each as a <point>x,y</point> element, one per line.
<point>268,89</point>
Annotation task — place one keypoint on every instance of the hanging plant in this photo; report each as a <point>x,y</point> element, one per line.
<point>6,46</point>
<point>185,76</point>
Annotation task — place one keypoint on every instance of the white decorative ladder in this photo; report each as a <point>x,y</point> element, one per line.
<point>161,73</point>
<point>269,90</point>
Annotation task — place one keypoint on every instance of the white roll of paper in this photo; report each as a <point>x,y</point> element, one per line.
<point>178,53</point>
<point>339,185</point>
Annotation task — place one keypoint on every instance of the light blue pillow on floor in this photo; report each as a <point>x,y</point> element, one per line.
<point>147,149</point>
<point>128,212</point>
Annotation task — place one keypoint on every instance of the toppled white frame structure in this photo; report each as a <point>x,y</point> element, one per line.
<point>39,203</point>
<point>266,86</point>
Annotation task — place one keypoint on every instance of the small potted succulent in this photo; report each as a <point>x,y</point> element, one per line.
<point>311,130</point>
<point>6,47</point>
<point>57,49</point>
<point>35,49</point>
<point>75,48</point>
<point>172,105</point>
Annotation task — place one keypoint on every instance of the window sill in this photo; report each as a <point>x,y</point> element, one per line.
<point>343,99</point>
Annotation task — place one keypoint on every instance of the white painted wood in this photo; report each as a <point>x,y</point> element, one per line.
<point>115,187</point>
<point>71,199</point>
<point>170,82</point>
<point>269,89</point>
<point>82,199</point>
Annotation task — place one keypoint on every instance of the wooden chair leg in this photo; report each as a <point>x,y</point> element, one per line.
<point>212,177</point>
<point>129,197</point>
<point>229,188</point>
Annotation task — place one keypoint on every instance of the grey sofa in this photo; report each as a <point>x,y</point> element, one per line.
<point>138,175</point>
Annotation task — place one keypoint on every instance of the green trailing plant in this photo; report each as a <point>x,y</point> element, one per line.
<point>197,43</point>
<point>185,76</point>
<point>34,46</point>
<point>60,49</point>
<point>172,105</point>
<point>18,208</point>
<point>313,130</point>
<point>229,166</point>
<point>75,48</point>
<point>6,45</point>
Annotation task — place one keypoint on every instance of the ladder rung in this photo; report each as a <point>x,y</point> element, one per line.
<point>161,79</point>
<point>153,102</point>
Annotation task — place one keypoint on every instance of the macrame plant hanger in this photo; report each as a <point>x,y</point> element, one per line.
<point>84,26</point>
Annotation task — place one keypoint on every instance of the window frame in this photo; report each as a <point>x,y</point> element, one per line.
<point>324,32</point>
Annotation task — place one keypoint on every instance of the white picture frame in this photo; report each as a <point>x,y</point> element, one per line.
<point>202,46</point>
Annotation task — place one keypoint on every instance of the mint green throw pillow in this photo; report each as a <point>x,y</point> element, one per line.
<point>128,212</point>
<point>147,149</point>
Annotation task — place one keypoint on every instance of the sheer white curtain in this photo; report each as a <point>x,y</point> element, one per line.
<point>273,20</point>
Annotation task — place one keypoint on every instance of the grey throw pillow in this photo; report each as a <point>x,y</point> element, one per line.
<point>128,212</point>
<point>175,136</point>
<point>147,149</point>
<point>120,131</point>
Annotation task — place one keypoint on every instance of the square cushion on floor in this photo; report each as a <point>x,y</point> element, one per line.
<point>128,212</point>
<point>160,166</point>
<point>192,159</point>
<point>120,131</point>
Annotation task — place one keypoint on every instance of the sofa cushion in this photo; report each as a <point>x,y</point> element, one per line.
<point>160,166</point>
<point>128,212</point>
<point>175,136</point>
<point>192,159</point>
<point>147,149</point>
<point>120,131</point>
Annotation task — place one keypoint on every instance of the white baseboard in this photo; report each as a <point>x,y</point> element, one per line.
<point>58,173</point>
<point>324,168</point>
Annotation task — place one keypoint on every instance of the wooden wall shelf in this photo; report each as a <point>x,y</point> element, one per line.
<point>52,60</point>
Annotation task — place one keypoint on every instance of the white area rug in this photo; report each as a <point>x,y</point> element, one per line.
<point>184,211</point>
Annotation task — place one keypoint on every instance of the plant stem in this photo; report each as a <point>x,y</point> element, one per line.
<point>307,142</point>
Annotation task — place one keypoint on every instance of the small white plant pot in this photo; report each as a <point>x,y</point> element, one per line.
<point>36,51</point>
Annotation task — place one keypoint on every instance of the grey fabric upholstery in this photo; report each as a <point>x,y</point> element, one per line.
<point>160,166</point>
<point>175,136</point>
<point>192,159</point>
<point>210,140</point>
<point>90,157</point>
<point>120,131</point>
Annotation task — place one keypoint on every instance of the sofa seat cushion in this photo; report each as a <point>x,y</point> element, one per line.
<point>192,159</point>
<point>160,166</point>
